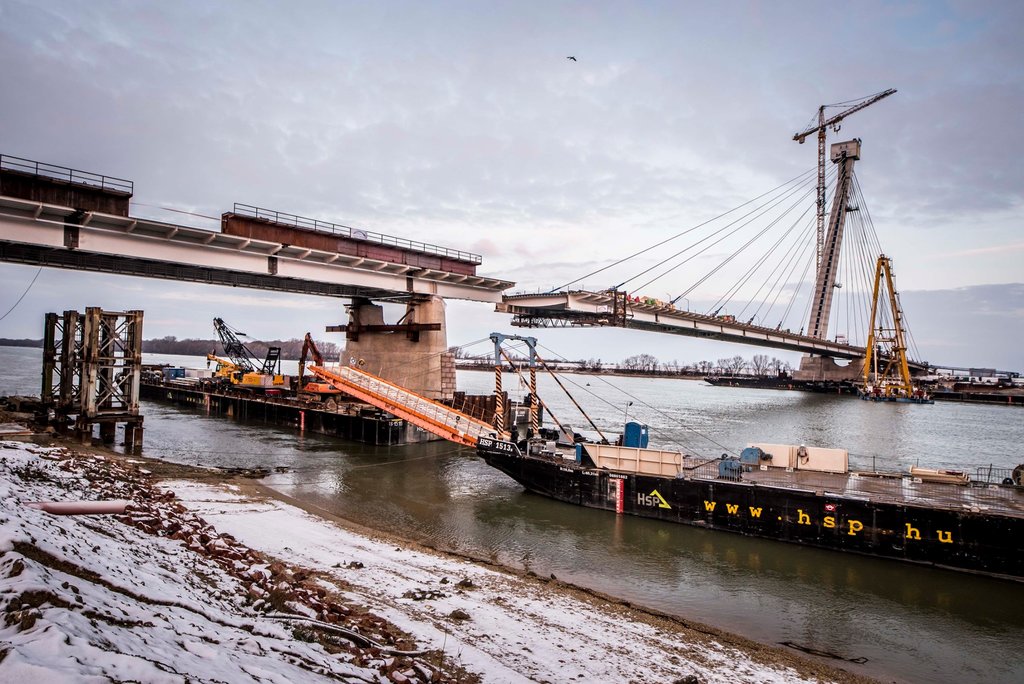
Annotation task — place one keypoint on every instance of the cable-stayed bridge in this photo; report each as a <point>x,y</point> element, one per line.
<point>757,275</point>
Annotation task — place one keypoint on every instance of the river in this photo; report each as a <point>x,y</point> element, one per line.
<point>910,623</point>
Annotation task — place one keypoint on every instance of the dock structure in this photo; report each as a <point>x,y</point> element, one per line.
<point>370,409</point>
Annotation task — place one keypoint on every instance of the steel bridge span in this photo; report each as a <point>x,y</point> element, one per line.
<point>57,217</point>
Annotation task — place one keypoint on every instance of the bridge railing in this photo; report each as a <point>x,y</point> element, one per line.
<point>63,173</point>
<point>287,219</point>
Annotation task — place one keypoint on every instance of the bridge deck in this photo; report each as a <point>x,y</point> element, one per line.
<point>36,233</point>
<point>583,308</point>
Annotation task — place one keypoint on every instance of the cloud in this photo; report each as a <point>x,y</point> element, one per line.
<point>467,127</point>
<point>978,251</point>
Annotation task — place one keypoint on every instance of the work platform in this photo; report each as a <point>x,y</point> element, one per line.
<point>59,217</point>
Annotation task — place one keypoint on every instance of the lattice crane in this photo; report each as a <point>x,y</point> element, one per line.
<point>823,125</point>
<point>893,379</point>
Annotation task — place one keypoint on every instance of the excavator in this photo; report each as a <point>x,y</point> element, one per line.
<point>314,390</point>
<point>240,368</point>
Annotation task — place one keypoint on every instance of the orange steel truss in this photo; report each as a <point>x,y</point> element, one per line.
<point>432,416</point>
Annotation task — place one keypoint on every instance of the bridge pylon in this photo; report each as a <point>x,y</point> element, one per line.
<point>817,368</point>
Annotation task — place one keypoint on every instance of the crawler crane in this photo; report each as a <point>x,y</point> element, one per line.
<point>241,370</point>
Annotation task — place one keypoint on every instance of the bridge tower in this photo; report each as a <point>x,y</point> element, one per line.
<point>844,154</point>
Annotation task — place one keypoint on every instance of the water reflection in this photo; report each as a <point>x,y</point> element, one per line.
<point>912,623</point>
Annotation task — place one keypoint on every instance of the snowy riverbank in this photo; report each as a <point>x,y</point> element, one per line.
<point>191,584</point>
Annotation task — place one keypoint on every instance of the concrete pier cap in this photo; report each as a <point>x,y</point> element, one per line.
<point>403,352</point>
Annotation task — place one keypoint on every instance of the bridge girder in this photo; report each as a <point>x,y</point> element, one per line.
<point>35,233</point>
<point>585,309</point>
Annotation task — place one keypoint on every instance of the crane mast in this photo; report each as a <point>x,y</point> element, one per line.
<point>894,379</point>
<point>820,129</point>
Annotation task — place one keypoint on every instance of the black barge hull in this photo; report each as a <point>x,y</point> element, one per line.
<point>968,540</point>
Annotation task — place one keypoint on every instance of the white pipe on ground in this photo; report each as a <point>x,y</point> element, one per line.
<point>80,507</point>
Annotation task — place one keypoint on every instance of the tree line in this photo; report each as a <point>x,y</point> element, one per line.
<point>290,349</point>
<point>647,364</point>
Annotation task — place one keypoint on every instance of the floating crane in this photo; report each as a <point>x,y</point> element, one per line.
<point>823,125</point>
<point>888,379</point>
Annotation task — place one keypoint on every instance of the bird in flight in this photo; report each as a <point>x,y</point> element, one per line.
<point>572,58</point>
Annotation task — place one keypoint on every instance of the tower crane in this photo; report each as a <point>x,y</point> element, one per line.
<point>822,126</point>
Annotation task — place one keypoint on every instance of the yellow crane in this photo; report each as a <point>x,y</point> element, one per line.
<point>238,376</point>
<point>242,370</point>
<point>225,369</point>
<point>889,378</point>
<point>822,126</point>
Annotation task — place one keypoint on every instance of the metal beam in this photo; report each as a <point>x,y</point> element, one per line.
<point>34,233</point>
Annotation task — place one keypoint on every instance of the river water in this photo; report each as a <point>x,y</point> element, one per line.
<point>910,623</point>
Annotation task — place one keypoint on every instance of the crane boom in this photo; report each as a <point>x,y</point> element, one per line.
<point>309,348</point>
<point>241,356</point>
<point>233,347</point>
<point>831,121</point>
<point>820,129</point>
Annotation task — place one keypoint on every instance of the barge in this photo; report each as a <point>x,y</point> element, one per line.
<point>340,416</point>
<point>788,493</point>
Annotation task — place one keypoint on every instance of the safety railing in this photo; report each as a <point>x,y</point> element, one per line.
<point>294,221</point>
<point>902,491</point>
<point>63,173</point>
<point>990,474</point>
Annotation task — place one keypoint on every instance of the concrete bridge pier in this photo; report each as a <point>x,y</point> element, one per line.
<point>825,369</point>
<point>412,353</point>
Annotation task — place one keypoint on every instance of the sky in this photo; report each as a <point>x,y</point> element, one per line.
<point>464,124</point>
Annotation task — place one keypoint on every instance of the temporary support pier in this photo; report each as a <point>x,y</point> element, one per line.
<point>91,370</point>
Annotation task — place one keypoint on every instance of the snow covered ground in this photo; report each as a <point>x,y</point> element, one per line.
<point>189,587</point>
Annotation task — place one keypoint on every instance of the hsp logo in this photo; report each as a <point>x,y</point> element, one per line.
<point>654,499</point>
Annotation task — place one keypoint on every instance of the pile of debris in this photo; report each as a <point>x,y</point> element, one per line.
<point>181,563</point>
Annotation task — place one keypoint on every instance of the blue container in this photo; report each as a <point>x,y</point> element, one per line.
<point>751,456</point>
<point>173,373</point>
<point>635,435</point>
<point>730,469</point>
<point>579,453</point>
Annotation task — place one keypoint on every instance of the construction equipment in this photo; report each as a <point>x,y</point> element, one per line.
<point>312,389</point>
<point>823,125</point>
<point>893,380</point>
<point>242,370</point>
<point>225,370</point>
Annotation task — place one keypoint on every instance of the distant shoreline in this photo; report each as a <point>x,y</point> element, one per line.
<point>619,373</point>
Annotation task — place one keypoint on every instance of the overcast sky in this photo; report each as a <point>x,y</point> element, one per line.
<point>463,124</point>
